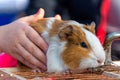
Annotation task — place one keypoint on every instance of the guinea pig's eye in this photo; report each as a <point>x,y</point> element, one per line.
<point>83,44</point>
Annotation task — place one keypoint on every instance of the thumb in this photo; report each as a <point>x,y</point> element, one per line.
<point>33,18</point>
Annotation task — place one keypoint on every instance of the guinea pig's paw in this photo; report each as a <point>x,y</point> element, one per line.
<point>36,70</point>
<point>68,72</point>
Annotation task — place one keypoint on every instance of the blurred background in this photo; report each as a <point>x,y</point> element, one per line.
<point>11,10</point>
<point>113,25</point>
<point>105,13</point>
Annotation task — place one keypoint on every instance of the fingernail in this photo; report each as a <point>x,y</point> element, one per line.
<point>44,67</point>
<point>39,11</point>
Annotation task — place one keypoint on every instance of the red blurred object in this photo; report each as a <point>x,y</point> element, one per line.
<point>101,32</point>
<point>7,61</point>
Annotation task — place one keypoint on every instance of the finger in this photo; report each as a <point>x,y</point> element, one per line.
<point>24,61</point>
<point>58,17</point>
<point>21,59</point>
<point>33,18</point>
<point>27,57</point>
<point>37,39</point>
<point>34,50</point>
<point>40,14</point>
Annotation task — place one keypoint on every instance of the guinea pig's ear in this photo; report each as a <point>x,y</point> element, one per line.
<point>66,32</point>
<point>90,27</point>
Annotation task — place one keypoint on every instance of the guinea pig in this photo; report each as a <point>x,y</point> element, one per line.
<point>72,45</point>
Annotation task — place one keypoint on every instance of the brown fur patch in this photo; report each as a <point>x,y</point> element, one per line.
<point>66,32</point>
<point>74,52</point>
<point>55,27</point>
<point>90,27</point>
<point>40,25</point>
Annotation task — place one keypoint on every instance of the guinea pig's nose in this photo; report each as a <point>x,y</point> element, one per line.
<point>99,61</point>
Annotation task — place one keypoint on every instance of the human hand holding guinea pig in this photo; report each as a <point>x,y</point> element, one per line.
<point>24,43</point>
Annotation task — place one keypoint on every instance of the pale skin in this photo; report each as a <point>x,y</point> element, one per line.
<point>24,43</point>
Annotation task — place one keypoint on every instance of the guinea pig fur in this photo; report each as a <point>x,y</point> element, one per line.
<point>72,45</point>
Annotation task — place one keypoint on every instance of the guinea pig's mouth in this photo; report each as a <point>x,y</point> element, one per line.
<point>89,63</point>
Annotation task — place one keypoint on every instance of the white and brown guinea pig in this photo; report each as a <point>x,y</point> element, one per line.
<point>72,45</point>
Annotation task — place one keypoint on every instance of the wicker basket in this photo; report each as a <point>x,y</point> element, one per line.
<point>103,73</point>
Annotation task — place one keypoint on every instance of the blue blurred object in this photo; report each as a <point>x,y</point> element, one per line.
<point>9,9</point>
<point>6,18</point>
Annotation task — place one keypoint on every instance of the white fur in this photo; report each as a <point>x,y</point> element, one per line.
<point>49,23</point>
<point>97,48</point>
<point>88,63</point>
<point>54,60</point>
<point>45,34</point>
